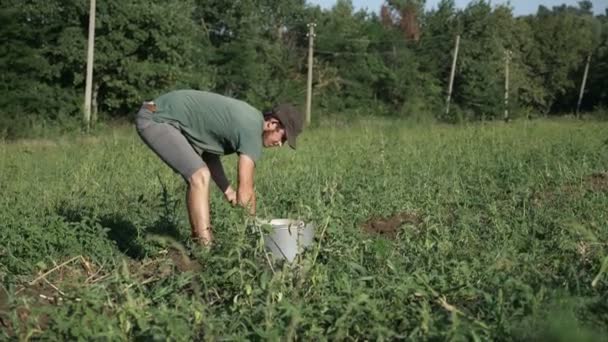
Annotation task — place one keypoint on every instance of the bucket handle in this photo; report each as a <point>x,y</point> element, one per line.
<point>278,247</point>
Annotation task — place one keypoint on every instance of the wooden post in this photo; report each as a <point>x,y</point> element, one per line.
<point>311,36</point>
<point>89,81</point>
<point>447,106</point>
<point>580,95</point>
<point>507,60</point>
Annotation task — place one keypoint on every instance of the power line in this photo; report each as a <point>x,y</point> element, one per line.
<point>349,53</point>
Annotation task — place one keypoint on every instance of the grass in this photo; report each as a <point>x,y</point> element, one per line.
<point>508,241</point>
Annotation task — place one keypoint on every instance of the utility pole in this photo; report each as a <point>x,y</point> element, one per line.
<point>507,60</point>
<point>311,36</point>
<point>580,95</point>
<point>89,80</point>
<point>447,106</point>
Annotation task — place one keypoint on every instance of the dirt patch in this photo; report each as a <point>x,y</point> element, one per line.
<point>598,181</point>
<point>4,308</point>
<point>389,226</point>
<point>52,285</point>
<point>39,293</point>
<point>183,263</point>
<point>167,263</point>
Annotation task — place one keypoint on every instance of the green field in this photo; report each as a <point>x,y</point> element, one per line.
<point>486,231</point>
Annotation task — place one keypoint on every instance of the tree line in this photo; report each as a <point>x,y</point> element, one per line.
<point>393,62</point>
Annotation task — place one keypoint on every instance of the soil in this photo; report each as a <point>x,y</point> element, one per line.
<point>170,261</point>
<point>41,294</point>
<point>389,226</point>
<point>82,272</point>
<point>598,181</point>
<point>4,308</point>
<point>183,262</point>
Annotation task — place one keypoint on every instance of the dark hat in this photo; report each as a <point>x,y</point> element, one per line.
<point>292,119</point>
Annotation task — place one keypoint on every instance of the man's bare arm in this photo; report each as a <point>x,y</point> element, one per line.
<point>217,171</point>
<point>246,192</point>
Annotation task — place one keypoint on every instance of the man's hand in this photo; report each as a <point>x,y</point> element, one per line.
<point>230,196</point>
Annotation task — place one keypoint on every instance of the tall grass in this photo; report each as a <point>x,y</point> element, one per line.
<point>512,231</point>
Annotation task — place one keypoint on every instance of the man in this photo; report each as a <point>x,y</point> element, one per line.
<point>189,130</point>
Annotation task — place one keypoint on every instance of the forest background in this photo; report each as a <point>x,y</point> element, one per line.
<point>394,63</point>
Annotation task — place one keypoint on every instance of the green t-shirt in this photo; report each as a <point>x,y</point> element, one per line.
<point>213,123</point>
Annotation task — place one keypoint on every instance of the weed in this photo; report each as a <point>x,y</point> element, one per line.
<point>495,232</point>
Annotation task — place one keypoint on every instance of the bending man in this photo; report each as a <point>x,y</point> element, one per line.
<point>189,130</point>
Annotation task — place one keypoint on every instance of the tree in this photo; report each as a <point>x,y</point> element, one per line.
<point>564,37</point>
<point>142,48</point>
<point>254,47</point>
<point>597,94</point>
<point>33,80</point>
<point>396,62</point>
<point>404,14</point>
<point>478,82</point>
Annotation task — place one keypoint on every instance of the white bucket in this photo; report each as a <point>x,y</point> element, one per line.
<point>288,238</point>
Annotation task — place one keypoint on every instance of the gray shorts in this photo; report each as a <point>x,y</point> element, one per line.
<point>168,143</point>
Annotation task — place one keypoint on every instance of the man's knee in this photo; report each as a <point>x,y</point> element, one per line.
<point>201,178</point>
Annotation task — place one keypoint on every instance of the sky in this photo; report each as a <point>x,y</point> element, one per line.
<point>520,7</point>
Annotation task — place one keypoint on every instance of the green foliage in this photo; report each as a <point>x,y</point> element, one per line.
<point>478,83</point>
<point>561,55</point>
<point>30,81</point>
<point>508,243</point>
<point>141,48</point>
<point>145,48</point>
<point>598,91</point>
<point>254,48</point>
<point>393,63</point>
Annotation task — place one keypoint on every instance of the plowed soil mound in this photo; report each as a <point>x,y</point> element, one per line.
<point>598,181</point>
<point>47,286</point>
<point>389,226</point>
<point>183,262</point>
<point>595,182</point>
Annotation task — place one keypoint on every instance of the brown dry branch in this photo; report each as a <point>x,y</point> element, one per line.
<point>451,308</point>
<point>55,269</point>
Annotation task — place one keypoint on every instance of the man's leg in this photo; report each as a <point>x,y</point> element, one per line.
<point>175,150</point>
<point>198,205</point>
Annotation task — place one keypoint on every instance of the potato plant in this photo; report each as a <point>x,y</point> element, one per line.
<point>478,232</point>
